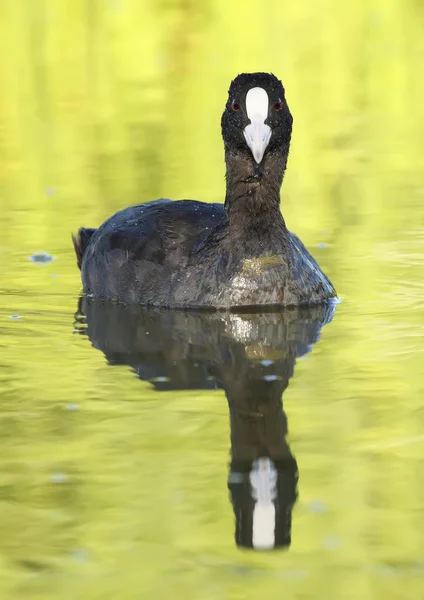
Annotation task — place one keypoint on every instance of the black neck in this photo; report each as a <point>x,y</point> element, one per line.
<point>252,201</point>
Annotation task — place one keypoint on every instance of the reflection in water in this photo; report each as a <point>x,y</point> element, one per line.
<point>252,357</point>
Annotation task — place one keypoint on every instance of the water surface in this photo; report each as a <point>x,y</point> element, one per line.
<point>113,483</point>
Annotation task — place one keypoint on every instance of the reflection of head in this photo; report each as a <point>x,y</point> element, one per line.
<point>263,499</point>
<point>263,481</point>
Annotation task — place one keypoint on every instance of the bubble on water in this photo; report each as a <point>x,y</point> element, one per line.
<point>317,506</point>
<point>271,377</point>
<point>41,257</point>
<point>80,555</point>
<point>267,363</point>
<point>322,245</point>
<point>332,542</point>
<point>59,477</point>
<point>72,406</point>
<point>14,317</point>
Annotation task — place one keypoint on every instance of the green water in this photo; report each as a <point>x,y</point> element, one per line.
<point>110,489</point>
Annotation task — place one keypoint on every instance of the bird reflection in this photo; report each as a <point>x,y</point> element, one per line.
<point>251,356</point>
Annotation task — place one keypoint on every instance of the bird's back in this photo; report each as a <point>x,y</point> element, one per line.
<point>135,253</point>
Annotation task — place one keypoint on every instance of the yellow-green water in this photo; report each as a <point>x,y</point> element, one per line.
<point>111,490</point>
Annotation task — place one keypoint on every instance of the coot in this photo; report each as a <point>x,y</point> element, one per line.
<point>192,254</point>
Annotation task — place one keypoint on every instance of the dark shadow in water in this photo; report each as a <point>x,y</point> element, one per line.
<point>249,355</point>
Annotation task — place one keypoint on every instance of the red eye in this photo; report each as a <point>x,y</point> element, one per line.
<point>235,106</point>
<point>278,105</point>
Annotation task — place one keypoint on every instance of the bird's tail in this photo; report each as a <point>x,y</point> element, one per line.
<point>81,240</point>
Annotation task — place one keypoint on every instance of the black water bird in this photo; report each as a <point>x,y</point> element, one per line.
<point>193,254</point>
